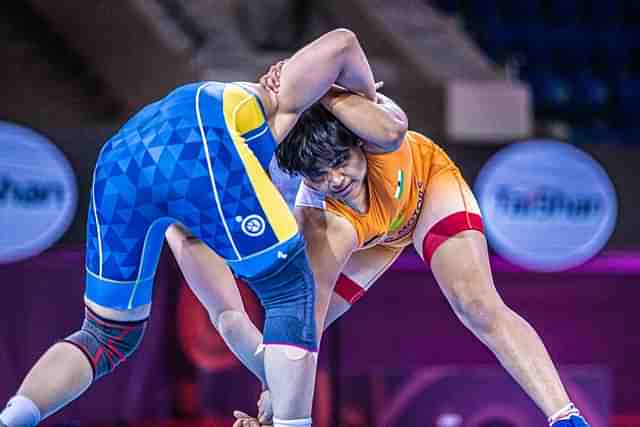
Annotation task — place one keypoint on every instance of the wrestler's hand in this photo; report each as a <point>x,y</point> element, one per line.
<point>271,79</point>
<point>265,408</point>
<point>245,420</point>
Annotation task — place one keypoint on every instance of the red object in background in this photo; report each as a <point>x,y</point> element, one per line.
<point>175,422</point>
<point>624,421</point>
<point>199,339</point>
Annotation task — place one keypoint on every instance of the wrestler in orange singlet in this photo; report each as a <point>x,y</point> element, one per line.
<point>371,188</point>
<point>410,190</point>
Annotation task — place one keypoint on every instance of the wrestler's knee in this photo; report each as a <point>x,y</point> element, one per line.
<point>229,322</point>
<point>483,314</point>
<point>107,343</point>
<point>296,355</point>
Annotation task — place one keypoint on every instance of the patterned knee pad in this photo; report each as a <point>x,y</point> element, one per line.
<point>106,343</point>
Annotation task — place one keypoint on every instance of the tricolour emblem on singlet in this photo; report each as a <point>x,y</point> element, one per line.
<point>399,184</point>
<point>397,221</point>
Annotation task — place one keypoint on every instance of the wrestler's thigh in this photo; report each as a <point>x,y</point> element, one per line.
<point>449,238</point>
<point>366,266</point>
<point>206,273</point>
<point>449,208</point>
<point>360,273</point>
<point>461,268</point>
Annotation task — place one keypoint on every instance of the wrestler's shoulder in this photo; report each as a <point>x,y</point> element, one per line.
<point>413,136</point>
<point>322,220</point>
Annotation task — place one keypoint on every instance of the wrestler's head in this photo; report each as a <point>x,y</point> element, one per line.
<point>326,154</point>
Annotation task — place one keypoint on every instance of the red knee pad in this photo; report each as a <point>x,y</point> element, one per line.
<point>447,227</point>
<point>348,289</point>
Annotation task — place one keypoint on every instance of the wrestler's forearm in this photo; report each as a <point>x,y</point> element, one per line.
<point>336,57</point>
<point>356,74</point>
<point>382,124</point>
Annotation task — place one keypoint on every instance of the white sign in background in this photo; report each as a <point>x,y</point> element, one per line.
<point>547,205</point>
<point>38,193</point>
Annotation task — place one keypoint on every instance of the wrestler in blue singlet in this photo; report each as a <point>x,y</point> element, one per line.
<point>196,157</point>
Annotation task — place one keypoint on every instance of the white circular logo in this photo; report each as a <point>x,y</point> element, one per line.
<point>547,205</point>
<point>253,225</point>
<point>38,193</point>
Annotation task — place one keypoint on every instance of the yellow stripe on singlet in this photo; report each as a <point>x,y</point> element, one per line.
<point>242,114</point>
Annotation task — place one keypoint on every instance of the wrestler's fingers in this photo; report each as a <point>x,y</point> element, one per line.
<point>267,82</point>
<point>240,414</point>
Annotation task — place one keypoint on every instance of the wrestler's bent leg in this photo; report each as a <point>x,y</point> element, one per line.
<point>212,282</point>
<point>69,367</point>
<point>118,297</point>
<point>287,296</point>
<point>449,237</point>
<point>360,273</point>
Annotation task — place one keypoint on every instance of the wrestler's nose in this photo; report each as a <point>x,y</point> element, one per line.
<point>335,179</point>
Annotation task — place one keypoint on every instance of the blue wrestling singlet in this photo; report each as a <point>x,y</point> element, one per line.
<point>196,157</point>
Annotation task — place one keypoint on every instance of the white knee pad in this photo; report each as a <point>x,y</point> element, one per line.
<point>300,422</point>
<point>292,352</point>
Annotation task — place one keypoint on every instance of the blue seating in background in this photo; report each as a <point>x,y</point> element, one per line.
<point>496,38</point>
<point>451,7</point>
<point>598,133</point>
<point>564,10</point>
<point>612,50</point>
<point>551,93</point>
<point>571,45</point>
<point>518,11</point>
<point>481,11</point>
<point>528,40</point>
<point>589,93</point>
<point>632,12</point>
<point>604,12</point>
<point>626,111</point>
<point>580,58</point>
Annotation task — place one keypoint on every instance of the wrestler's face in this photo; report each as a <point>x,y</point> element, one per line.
<point>345,181</point>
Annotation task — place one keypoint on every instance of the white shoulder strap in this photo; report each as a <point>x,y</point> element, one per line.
<point>310,198</point>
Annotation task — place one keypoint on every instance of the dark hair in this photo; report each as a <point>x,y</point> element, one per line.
<point>317,142</point>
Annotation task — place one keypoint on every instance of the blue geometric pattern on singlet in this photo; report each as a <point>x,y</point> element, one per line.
<point>155,166</point>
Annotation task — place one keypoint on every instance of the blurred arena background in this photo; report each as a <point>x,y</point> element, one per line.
<point>474,75</point>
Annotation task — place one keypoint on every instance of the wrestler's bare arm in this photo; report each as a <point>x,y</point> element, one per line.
<point>330,241</point>
<point>335,57</point>
<point>378,121</point>
<point>382,125</point>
